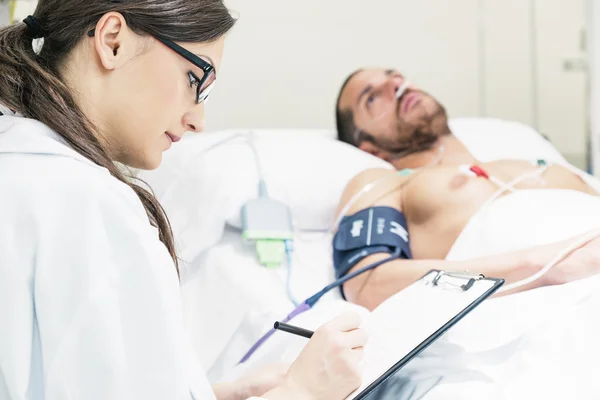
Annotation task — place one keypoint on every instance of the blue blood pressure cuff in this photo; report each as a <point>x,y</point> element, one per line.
<point>370,231</point>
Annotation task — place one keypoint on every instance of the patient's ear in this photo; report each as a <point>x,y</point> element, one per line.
<point>372,149</point>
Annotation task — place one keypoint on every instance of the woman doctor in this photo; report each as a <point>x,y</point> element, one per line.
<point>89,296</point>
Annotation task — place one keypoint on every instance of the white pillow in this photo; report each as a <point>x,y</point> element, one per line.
<point>202,187</point>
<point>205,179</point>
<point>490,139</point>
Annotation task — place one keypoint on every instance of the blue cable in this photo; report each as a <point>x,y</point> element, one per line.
<point>289,250</point>
<point>312,300</point>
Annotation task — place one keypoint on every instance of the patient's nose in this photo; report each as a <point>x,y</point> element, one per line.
<point>391,86</point>
<point>398,82</point>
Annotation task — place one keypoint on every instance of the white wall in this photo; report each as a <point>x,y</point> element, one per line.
<point>593,19</point>
<point>21,8</point>
<point>535,69</point>
<point>507,60</point>
<point>562,76</point>
<point>4,13</point>
<point>285,60</point>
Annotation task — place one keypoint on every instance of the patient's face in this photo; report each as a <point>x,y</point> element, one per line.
<point>408,124</point>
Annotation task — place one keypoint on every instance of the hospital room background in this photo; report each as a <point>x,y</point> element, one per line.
<point>523,60</point>
<point>519,78</point>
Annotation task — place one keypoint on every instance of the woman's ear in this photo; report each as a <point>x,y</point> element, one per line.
<point>113,41</point>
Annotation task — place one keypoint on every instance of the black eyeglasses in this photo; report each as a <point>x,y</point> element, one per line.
<point>204,83</point>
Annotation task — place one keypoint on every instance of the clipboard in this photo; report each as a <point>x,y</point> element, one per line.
<point>437,302</point>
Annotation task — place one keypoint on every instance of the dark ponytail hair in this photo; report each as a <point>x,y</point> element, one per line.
<point>31,84</point>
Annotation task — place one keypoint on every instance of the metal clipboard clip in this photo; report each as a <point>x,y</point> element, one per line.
<point>456,280</point>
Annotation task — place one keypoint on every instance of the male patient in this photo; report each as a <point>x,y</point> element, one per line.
<point>382,115</point>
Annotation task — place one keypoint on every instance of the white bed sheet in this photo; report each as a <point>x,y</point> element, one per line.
<point>487,356</point>
<point>231,300</point>
<point>537,344</point>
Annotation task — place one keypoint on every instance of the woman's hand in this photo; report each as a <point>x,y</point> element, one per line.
<point>261,381</point>
<point>328,367</point>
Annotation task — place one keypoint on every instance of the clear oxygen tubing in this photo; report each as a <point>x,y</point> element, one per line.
<point>564,253</point>
<point>370,186</point>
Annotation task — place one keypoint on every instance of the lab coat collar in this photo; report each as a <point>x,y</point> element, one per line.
<point>7,111</point>
<point>28,136</point>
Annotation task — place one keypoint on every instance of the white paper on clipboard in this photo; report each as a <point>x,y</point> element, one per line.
<point>417,316</point>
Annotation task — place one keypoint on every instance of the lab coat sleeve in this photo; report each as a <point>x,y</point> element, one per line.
<point>107,302</point>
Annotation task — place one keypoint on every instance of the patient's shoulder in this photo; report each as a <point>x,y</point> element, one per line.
<point>366,177</point>
<point>375,183</point>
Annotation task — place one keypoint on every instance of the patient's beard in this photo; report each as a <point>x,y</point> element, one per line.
<point>419,139</point>
<point>417,142</point>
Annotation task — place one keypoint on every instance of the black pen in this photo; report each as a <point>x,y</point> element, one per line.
<point>282,326</point>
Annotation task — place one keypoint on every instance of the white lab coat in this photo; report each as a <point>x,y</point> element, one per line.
<point>89,297</point>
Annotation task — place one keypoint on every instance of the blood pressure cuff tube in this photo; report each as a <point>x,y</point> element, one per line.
<point>370,231</point>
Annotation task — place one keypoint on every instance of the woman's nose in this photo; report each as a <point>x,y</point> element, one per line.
<point>194,121</point>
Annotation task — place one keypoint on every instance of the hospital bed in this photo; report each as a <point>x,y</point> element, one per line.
<point>230,300</point>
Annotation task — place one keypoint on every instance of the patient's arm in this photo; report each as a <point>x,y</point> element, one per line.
<point>372,288</point>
